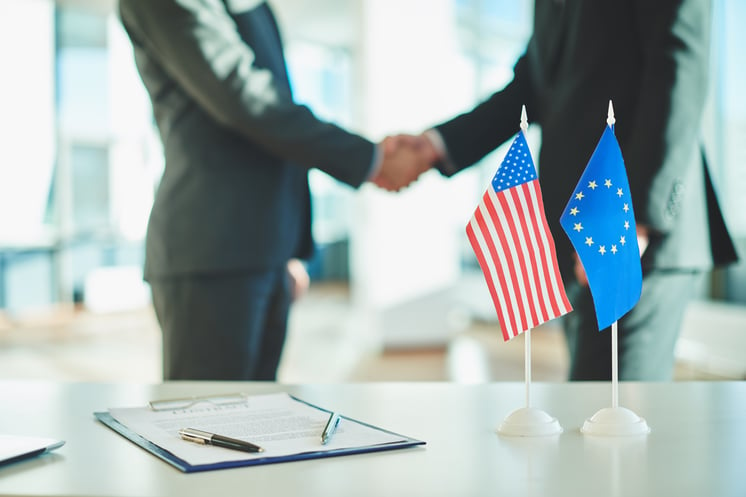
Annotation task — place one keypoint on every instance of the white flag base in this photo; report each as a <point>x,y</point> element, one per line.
<point>615,421</point>
<point>529,422</point>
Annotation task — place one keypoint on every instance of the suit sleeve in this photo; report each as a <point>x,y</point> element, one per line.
<point>472,135</point>
<point>674,38</point>
<point>197,43</point>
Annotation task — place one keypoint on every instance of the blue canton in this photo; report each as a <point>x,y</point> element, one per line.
<point>516,168</point>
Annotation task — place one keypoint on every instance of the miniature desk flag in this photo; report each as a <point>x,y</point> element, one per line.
<point>515,249</point>
<point>600,222</point>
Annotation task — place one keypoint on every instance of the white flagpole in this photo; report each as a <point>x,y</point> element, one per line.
<point>614,366</point>
<point>610,120</point>
<point>524,119</point>
<point>527,363</point>
<point>527,341</point>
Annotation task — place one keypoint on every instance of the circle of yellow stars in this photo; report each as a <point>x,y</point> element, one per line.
<point>614,248</point>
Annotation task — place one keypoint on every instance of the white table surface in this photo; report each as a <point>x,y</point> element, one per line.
<point>697,446</point>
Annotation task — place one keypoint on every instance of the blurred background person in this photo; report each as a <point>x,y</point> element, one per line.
<point>233,205</point>
<point>652,60</point>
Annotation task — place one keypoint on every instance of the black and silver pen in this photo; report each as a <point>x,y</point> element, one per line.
<point>330,428</point>
<point>203,437</point>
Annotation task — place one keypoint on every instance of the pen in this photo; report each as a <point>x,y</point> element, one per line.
<point>203,437</point>
<point>330,428</point>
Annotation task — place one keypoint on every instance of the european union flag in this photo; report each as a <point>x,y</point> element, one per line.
<point>600,222</point>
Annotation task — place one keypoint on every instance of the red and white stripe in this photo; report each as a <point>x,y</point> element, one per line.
<point>515,249</point>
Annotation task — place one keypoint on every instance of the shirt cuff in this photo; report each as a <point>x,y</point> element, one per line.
<point>444,163</point>
<point>376,162</point>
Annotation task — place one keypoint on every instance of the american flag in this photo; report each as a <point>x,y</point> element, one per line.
<point>512,242</point>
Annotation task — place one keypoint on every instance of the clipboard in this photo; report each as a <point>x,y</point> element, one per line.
<point>170,457</point>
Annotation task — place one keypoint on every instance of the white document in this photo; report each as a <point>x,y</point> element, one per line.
<point>280,424</point>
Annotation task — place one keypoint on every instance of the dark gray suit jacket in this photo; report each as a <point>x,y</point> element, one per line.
<point>234,194</point>
<point>651,59</point>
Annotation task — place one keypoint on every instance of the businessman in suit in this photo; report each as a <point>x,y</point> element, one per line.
<point>233,207</point>
<point>651,59</point>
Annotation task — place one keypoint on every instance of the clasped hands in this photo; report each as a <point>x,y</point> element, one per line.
<point>405,157</point>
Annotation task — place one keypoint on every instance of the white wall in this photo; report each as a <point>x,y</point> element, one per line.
<point>27,123</point>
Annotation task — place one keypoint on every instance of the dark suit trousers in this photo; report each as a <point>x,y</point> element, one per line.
<point>222,326</point>
<point>646,335</point>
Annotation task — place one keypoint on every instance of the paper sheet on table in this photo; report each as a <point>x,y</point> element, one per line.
<point>281,424</point>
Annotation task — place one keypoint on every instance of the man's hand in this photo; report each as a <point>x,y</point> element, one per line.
<point>405,157</point>
<point>299,279</point>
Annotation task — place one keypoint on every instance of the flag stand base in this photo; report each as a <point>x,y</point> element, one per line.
<point>615,421</point>
<point>529,422</point>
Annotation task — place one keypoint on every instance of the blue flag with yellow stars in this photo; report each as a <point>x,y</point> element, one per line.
<point>600,222</point>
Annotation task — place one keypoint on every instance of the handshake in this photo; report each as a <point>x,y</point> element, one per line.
<point>405,157</point>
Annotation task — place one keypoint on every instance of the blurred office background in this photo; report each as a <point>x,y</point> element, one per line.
<point>396,293</point>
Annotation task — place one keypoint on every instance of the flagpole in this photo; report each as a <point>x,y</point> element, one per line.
<point>527,364</point>
<point>611,120</point>
<point>527,341</point>
<point>614,366</point>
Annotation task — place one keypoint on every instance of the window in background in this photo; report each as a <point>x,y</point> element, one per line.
<point>730,109</point>
<point>27,148</point>
<point>76,154</point>
<point>26,120</point>
<point>88,189</point>
<point>320,75</point>
<point>726,134</point>
<point>82,180</point>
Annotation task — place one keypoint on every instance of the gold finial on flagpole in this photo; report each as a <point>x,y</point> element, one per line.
<point>610,120</point>
<point>524,119</point>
